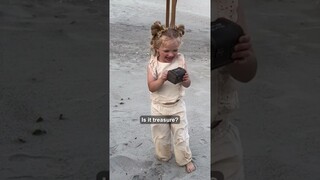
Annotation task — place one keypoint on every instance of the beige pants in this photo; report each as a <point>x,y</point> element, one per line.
<point>163,133</point>
<point>226,151</point>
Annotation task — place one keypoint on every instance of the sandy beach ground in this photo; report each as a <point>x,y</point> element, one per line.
<point>279,115</point>
<point>131,147</point>
<point>53,67</point>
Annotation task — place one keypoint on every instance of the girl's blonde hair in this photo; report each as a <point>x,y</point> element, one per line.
<point>161,33</point>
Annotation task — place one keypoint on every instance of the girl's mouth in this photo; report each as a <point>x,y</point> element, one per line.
<point>169,59</point>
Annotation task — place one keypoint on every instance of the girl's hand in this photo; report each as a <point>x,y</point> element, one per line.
<point>242,50</point>
<point>186,80</point>
<point>185,77</point>
<point>164,76</point>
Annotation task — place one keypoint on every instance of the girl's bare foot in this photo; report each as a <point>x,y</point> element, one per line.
<point>190,167</point>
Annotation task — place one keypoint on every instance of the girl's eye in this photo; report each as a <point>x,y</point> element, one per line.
<point>167,51</point>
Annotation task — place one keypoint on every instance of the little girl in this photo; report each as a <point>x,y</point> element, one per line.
<point>166,97</point>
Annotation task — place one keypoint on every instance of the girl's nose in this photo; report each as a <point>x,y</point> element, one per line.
<point>171,54</point>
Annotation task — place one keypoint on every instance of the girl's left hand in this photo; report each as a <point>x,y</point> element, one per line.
<point>242,50</point>
<point>185,77</point>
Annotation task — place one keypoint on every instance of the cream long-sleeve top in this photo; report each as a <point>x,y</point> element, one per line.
<point>168,92</point>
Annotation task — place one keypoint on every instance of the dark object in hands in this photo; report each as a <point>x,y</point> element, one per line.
<point>176,75</point>
<point>225,35</point>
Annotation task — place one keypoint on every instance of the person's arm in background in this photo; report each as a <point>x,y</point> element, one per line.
<point>245,66</point>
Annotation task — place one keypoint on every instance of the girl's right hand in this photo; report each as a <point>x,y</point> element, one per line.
<point>164,75</point>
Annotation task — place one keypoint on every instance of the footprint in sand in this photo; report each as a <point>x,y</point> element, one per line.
<point>60,16</point>
<point>41,164</point>
<point>203,141</point>
<point>121,164</point>
<point>26,157</point>
<point>51,162</point>
<point>152,173</point>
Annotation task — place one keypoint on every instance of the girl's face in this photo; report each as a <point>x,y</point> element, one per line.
<point>168,50</point>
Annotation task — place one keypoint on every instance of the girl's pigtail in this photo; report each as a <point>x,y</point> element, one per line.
<point>155,29</point>
<point>180,29</point>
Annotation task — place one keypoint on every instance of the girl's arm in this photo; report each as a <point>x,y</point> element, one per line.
<point>245,66</point>
<point>155,84</point>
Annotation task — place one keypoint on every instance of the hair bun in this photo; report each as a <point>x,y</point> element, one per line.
<point>155,28</point>
<point>180,29</point>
